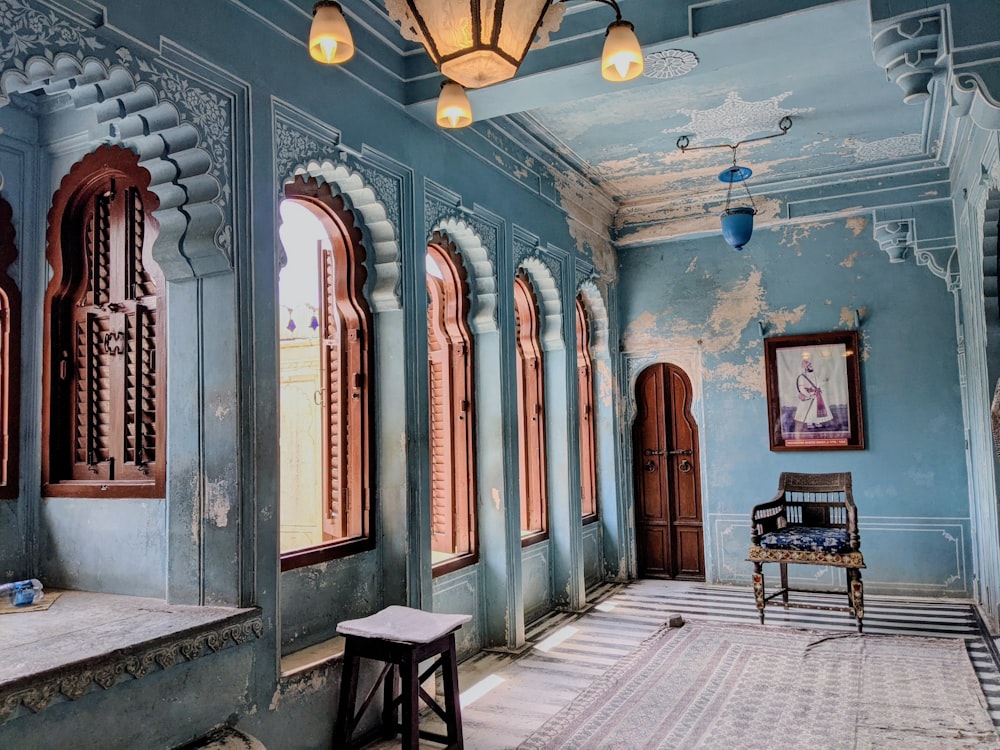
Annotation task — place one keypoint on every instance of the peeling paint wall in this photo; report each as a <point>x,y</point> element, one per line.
<point>699,304</point>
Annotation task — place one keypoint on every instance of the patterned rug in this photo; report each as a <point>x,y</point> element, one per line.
<point>716,687</point>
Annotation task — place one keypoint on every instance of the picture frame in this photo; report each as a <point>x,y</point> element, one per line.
<point>814,392</point>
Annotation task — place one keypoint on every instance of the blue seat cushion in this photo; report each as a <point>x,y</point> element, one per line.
<point>807,539</point>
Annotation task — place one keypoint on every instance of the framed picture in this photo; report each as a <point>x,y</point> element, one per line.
<point>814,392</point>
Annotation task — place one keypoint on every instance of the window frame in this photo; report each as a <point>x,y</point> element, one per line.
<point>10,358</point>
<point>530,397</point>
<point>351,302</point>
<point>144,345</point>
<point>450,299</point>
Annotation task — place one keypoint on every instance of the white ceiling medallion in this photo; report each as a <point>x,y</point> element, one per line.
<point>735,119</point>
<point>670,63</point>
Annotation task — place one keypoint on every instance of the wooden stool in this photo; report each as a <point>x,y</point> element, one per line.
<point>402,638</point>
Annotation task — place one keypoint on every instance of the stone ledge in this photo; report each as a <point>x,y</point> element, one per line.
<point>88,642</point>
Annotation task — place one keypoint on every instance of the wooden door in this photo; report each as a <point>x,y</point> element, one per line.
<point>669,537</point>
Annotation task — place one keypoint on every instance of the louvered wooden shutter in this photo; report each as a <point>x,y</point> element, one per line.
<point>335,516</point>
<point>585,389</point>
<point>441,425</point>
<point>109,368</point>
<point>531,409</point>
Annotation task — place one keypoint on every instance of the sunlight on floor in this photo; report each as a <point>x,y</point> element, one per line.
<point>481,688</point>
<point>563,634</point>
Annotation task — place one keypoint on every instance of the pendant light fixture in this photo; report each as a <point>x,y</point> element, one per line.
<point>474,43</point>
<point>330,39</point>
<point>737,221</point>
<point>453,107</point>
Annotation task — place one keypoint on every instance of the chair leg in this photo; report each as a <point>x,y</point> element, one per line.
<point>856,592</point>
<point>758,588</point>
<point>784,584</point>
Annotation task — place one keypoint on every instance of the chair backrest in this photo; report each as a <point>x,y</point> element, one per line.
<point>818,499</point>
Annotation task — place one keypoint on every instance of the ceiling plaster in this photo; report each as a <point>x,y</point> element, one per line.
<point>720,72</point>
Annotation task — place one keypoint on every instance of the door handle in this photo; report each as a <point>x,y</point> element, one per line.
<point>685,465</point>
<point>650,466</point>
<point>680,452</point>
<point>650,452</point>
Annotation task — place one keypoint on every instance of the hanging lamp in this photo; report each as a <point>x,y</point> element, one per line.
<point>474,43</point>
<point>330,40</point>
<point>453,108</point>
<point>737,221</point>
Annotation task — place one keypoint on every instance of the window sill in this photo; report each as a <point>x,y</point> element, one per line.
<point>88,642</point>
<point>312,657</point>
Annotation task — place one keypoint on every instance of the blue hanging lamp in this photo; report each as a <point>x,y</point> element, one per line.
<point>737,221</point>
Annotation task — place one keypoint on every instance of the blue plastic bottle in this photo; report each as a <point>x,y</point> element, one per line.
<point>23,593</point>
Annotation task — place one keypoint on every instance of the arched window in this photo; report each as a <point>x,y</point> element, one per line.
<point>104,368</point>
<point>325,379</point>
<point>10,357</point>
<point>452,390</point>
<point>585,389</point>
<point>530,412</point>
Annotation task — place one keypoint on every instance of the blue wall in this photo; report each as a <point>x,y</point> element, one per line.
<point>698,303</point>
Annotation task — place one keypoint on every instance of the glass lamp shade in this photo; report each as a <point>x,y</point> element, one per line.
<point>330,40</point>
<point>477,42</point>
<point>453,108</point>
<point>622,57</point>
<point>737,225</point>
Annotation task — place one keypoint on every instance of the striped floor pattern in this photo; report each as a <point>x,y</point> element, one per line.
<point>507,697</point>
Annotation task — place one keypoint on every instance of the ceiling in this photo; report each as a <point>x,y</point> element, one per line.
<point>718,73</point>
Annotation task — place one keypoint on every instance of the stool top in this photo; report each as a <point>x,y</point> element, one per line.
<point>403,625</point>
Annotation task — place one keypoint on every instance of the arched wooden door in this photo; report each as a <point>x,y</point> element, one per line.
<point>669,536</point>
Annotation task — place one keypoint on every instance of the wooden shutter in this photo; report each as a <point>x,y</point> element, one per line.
<point>332,396</point>
<point>451,385</point>
<point>105,334</point>
<point>585,389</point>
<point>10,359</point>
<point>442,436</point>
<point>531,408</point>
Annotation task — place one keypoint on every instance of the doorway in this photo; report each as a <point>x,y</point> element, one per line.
<point>670,541</point>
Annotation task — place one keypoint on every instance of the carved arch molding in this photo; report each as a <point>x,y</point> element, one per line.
<point>181,129</point>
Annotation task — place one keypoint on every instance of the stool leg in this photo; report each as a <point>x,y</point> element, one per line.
<point>410,677</point>
<point>390,712</point>
<point>452,707</point>
<point>344,727</point>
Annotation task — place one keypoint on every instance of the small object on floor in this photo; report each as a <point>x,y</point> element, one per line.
<point>23,593</point>
<point>402,638</point>
<point>675,621</point>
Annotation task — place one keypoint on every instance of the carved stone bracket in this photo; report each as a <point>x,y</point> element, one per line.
<point>895,237</point>
<point>943,263</point>
<point>898,238</point>
<point>72,682</point>
<point>908,49</point>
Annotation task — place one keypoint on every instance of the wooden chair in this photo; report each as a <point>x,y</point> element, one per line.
<point>811,521</point>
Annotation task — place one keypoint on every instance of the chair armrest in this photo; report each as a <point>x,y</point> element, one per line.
<point>765,517</point>
<point>854,536</point>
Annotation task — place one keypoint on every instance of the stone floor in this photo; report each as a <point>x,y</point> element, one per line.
<point>506,698</point>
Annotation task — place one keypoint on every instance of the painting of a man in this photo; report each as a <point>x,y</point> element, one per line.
<point>812,384</point>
